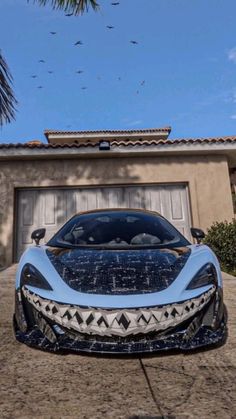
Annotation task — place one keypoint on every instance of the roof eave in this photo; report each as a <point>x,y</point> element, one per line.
<point>33,153</point>
<point>62,136</point>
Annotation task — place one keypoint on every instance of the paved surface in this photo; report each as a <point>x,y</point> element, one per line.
<point>35,384</point>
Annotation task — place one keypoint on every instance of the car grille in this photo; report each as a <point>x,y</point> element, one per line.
<point>119,322</point>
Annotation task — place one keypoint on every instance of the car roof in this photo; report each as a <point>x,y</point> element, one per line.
<point>119,210</point>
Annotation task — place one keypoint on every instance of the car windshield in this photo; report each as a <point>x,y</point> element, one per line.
<point>114,229</point>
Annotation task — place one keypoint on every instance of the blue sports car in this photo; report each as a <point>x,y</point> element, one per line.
<point>119,281</point>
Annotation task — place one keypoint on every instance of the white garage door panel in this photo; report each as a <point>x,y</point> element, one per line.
<point>51,208</point>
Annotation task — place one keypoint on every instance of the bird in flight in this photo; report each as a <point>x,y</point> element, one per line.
<point>53,33</point>
<point>134,42</point>
<point>40,87</point>
<point>34,76</point>
<point>142,83</point>
<point>50,72</point>
<point>115,3</point>
<point>110,27</point>
<point>79,43</point>
<point>41,61</point>
<point>84,88</point>
<point>79,71</point>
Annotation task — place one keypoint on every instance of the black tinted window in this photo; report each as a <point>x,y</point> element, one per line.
<point>118,229</point>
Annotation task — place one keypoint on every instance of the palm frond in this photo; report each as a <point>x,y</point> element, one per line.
<point>7,98</point>
<point>77,7</point>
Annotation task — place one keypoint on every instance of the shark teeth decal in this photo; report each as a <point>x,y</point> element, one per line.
<point>120,322</point>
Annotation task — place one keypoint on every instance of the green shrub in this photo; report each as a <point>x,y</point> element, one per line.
<point>221,238</point>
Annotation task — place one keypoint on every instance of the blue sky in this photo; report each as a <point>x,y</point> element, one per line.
<point>181,73</point>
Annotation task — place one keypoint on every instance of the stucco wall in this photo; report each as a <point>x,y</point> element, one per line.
<point>207,177</point>
<point>233,187</point>
<point>233,180</point>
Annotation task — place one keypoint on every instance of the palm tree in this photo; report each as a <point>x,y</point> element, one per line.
<point>7,98</point>
<point>76,7</point>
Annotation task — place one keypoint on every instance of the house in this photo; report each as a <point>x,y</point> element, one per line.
<point>43,184</point>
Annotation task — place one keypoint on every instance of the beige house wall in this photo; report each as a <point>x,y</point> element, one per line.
<point>207,178</point>
<point>233,187</point>
<point>233,180</point>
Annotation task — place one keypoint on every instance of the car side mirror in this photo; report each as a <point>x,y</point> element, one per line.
<point>197,234</point>
<point>38,235</point>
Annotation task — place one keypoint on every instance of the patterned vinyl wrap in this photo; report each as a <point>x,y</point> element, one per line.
<point>203,337</point>
<point>117,272</point>
<point>117,322</point>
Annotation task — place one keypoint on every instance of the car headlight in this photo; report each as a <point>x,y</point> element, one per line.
<point>31,276</point>
<point>205,276</point>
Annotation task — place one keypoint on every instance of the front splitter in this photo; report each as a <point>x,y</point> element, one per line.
<point>204,337</point>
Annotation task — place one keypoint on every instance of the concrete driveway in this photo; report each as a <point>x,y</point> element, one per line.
<point>35,384</point>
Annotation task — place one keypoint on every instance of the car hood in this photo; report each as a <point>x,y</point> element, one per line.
<point>117,272</point>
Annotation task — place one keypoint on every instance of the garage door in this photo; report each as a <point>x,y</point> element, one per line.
<point>50,208</point>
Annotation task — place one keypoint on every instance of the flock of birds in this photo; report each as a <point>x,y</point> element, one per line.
<point>80,43</point>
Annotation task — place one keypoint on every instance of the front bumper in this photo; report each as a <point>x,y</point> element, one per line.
<point>56,327</point>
